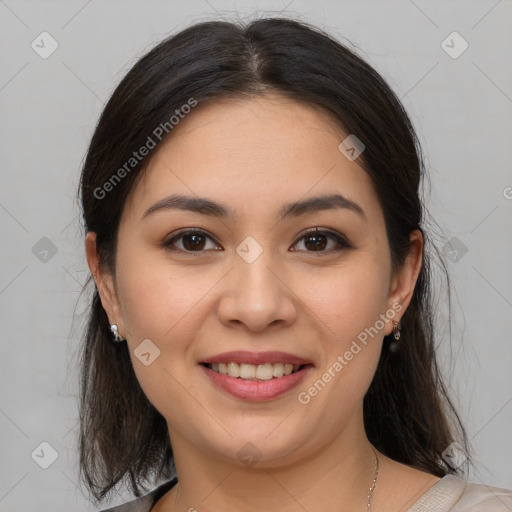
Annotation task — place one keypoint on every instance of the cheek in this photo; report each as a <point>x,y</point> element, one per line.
<point>165,307</point>
<point>349,349</point>
<point>158,298</point>
<point>346,301</point>
<point>348,304</point>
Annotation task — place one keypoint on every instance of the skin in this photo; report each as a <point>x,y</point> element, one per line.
<point>254,156</point>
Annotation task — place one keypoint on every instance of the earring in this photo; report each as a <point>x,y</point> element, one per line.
<point>116,338</point>
<point>395,345</point>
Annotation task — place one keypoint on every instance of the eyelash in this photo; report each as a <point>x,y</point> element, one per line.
<point>339,239</point>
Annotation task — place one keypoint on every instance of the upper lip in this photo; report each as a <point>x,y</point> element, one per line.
<point>255,358</point>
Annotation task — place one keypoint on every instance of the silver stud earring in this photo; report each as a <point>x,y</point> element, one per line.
<point>395,345</point>
<point>116,338</point>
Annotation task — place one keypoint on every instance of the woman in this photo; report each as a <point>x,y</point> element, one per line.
<point>261,329</point>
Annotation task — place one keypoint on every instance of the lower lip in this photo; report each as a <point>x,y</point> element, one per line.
<point>256,390</point>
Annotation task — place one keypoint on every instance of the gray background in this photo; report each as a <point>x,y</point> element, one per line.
<point>460,106</point>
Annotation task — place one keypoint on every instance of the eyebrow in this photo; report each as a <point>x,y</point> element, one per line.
<point>206,206</point>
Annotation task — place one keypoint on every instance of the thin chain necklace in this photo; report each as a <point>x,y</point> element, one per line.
<point>370,492</point>
<point>374,482</point>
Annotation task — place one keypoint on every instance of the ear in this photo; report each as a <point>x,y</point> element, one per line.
<point>105,284</point>
<point>404,281</point>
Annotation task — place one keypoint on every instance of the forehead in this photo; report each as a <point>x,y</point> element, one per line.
<point>259,130</point>
<point>271,149</point>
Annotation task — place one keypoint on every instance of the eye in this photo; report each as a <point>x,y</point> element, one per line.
<point>317,240</point>
<point>192,240</point>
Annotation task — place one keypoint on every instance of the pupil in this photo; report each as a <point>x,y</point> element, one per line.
<point>319,243</point>
<point>196,244</point>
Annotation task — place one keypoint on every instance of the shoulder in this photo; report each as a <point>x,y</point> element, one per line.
<point>144,503</point>
<point>452,494</point>
<point>484,498</point>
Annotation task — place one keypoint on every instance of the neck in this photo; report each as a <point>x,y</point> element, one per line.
<point>336,478</point>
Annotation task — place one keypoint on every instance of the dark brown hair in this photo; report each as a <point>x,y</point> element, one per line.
<point>407,413</point>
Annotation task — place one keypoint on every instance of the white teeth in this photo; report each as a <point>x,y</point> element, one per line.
<point>265,371</point>
<point>233,370</point>
<point>278,370</point>
<point>247,371</point>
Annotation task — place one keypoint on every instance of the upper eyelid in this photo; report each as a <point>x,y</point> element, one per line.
<point>187,231</point>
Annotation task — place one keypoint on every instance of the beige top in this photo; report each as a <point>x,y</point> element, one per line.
<point>450,494</point>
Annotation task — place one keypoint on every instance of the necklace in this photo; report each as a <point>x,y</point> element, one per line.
<point>374,482</point>
<point>370,492</point>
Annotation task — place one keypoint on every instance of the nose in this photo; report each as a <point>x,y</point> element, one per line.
<point>256,295</point>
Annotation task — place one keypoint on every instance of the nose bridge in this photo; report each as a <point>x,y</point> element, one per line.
<point>255,295</point>
<point>253,277</point>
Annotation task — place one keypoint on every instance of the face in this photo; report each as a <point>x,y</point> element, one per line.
<point>308,285</point>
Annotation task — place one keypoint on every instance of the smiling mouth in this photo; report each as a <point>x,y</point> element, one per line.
<point>262,372</point>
